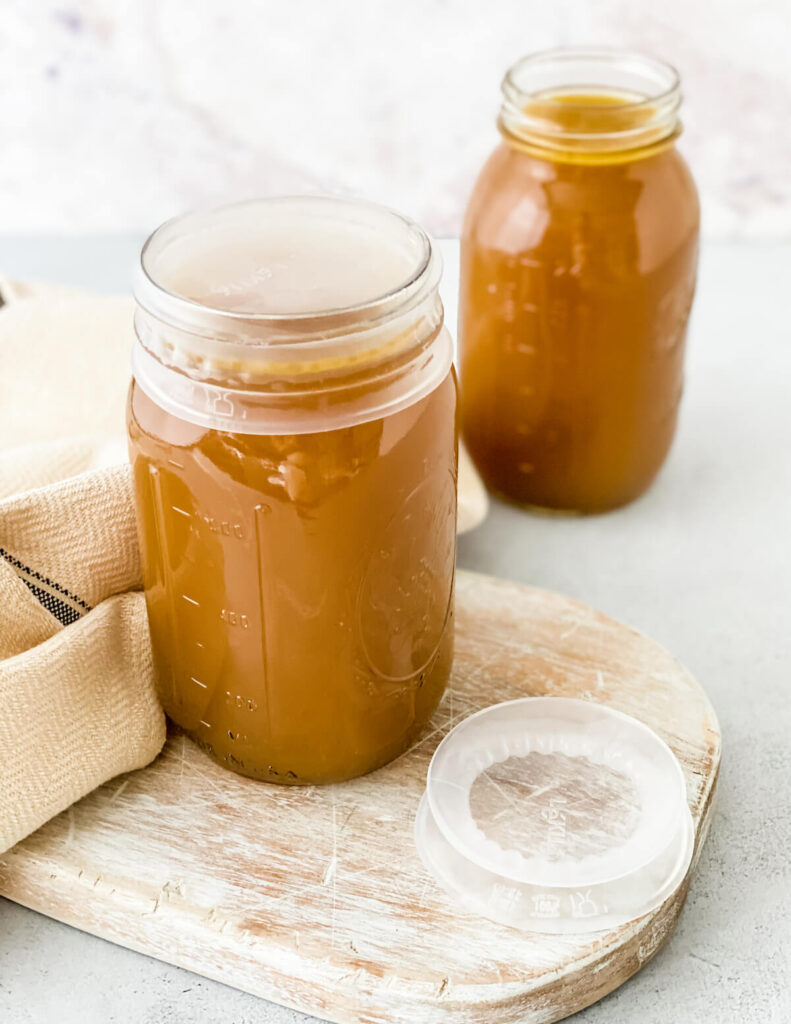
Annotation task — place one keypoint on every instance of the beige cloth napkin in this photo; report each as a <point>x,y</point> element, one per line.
<point>77,697</point>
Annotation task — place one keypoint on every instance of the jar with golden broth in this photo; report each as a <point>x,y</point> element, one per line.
<point>292,431</point>
<point>578,265</point>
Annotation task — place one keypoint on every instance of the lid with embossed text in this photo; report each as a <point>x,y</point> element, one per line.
<point>555,815</point>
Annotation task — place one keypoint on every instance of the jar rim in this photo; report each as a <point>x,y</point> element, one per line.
<point>596,54</point>
<point>178,310</point>
<point>208,341</point>
<point>644,95</point>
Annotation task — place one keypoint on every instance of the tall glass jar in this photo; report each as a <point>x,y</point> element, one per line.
<point>292,431</point>
<point>578,265</point>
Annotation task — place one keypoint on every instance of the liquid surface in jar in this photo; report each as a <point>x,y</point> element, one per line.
<point>300,587</point>
<point>297,269</point>
<point>578,273</point>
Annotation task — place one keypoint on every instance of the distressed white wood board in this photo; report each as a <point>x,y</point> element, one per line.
<point>315,897</point>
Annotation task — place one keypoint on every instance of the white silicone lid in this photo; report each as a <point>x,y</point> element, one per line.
<point>555,815</point>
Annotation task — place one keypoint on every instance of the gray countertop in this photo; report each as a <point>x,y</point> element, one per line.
<point>702,563</point>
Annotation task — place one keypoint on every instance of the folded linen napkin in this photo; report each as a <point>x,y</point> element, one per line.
<point>77,697</point>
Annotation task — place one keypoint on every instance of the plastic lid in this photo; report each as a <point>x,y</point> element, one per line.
<point>555,815</point>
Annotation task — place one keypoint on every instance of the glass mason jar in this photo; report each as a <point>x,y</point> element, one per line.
<point>578,264</point>
<point>292,430</point>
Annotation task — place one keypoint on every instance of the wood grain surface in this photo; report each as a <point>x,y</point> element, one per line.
<point>315,897</point>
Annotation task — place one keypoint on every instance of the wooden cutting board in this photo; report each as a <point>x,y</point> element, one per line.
<point>315,898</point>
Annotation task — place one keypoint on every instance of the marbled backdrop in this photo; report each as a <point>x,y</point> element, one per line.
<point>115,114</point>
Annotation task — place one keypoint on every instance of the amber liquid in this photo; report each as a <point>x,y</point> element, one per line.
<point>300,587</point>
<point>578,273</point>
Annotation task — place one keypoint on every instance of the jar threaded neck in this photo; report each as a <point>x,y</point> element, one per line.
<point>590,105</point>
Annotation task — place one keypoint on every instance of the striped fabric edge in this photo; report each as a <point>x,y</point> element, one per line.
<point>58,601</point>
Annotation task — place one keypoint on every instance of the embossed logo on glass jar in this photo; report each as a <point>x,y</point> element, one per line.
<point>406,596</point>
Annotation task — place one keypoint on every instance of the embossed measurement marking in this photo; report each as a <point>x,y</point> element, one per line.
<point>181,511</point>
<point>191,600</point>
<point>238,701</point>
<point>235,618</point>
<point>198,682</point>
<point>224,526</point>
